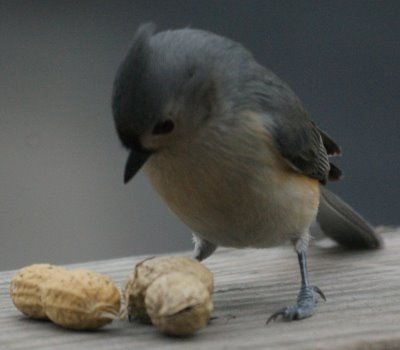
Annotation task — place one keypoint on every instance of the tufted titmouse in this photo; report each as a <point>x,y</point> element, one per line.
<point>230,149</point>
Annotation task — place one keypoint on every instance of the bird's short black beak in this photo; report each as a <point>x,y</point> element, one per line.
<point>137,157</point>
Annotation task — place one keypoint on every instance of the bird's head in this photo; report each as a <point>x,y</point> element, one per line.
<point>161,94</point>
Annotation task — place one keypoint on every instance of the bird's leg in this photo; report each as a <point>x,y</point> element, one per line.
<point>307,297</point>
<point>202,248</point>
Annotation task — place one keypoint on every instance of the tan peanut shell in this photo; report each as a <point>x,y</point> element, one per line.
<point>26,288</point>
<point>81,299</point>
<point>178,304</point>
<point>147,271</point>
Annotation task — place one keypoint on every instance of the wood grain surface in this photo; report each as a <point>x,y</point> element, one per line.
<point>362,309</point>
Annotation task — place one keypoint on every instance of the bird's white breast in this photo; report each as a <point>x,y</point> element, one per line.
<point>233,189</point>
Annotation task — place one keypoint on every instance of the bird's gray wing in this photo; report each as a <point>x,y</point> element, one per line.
<point>306,148</point>
<point>302,146</point>
<point>296,136</point>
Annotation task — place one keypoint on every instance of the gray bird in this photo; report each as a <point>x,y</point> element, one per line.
<point>230,149</point>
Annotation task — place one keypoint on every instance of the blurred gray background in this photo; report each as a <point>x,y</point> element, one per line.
<point>61,193</point>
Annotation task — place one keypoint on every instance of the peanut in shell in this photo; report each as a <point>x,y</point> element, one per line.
<point>81,299</point>
<point>178,304</point>
<point>26,288</point>
<point>149,270</point>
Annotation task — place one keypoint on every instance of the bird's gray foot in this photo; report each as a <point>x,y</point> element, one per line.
<point>306,301</point>
<point>202,248</point>
<point>307,297</point>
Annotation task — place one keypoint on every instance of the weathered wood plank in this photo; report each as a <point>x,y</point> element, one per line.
<point>362,311</point>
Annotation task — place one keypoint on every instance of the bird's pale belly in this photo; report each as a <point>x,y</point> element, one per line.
<point>236,209</point>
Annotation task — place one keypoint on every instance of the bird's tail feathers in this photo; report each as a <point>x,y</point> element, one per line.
<point>341,223</point>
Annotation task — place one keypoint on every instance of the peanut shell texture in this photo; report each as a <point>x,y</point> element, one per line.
<point>81,299</point>
<point>178,304</point>
<point>26,288</point>
<point>147,271</point>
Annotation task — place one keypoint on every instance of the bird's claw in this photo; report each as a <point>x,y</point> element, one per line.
<point>319,292</point>
<point>304,307</point>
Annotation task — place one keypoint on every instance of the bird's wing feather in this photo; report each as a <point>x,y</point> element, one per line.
<point>296,136</point>
<point>302,146</point>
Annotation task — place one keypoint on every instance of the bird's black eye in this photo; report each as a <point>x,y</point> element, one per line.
<point>164,127</point>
